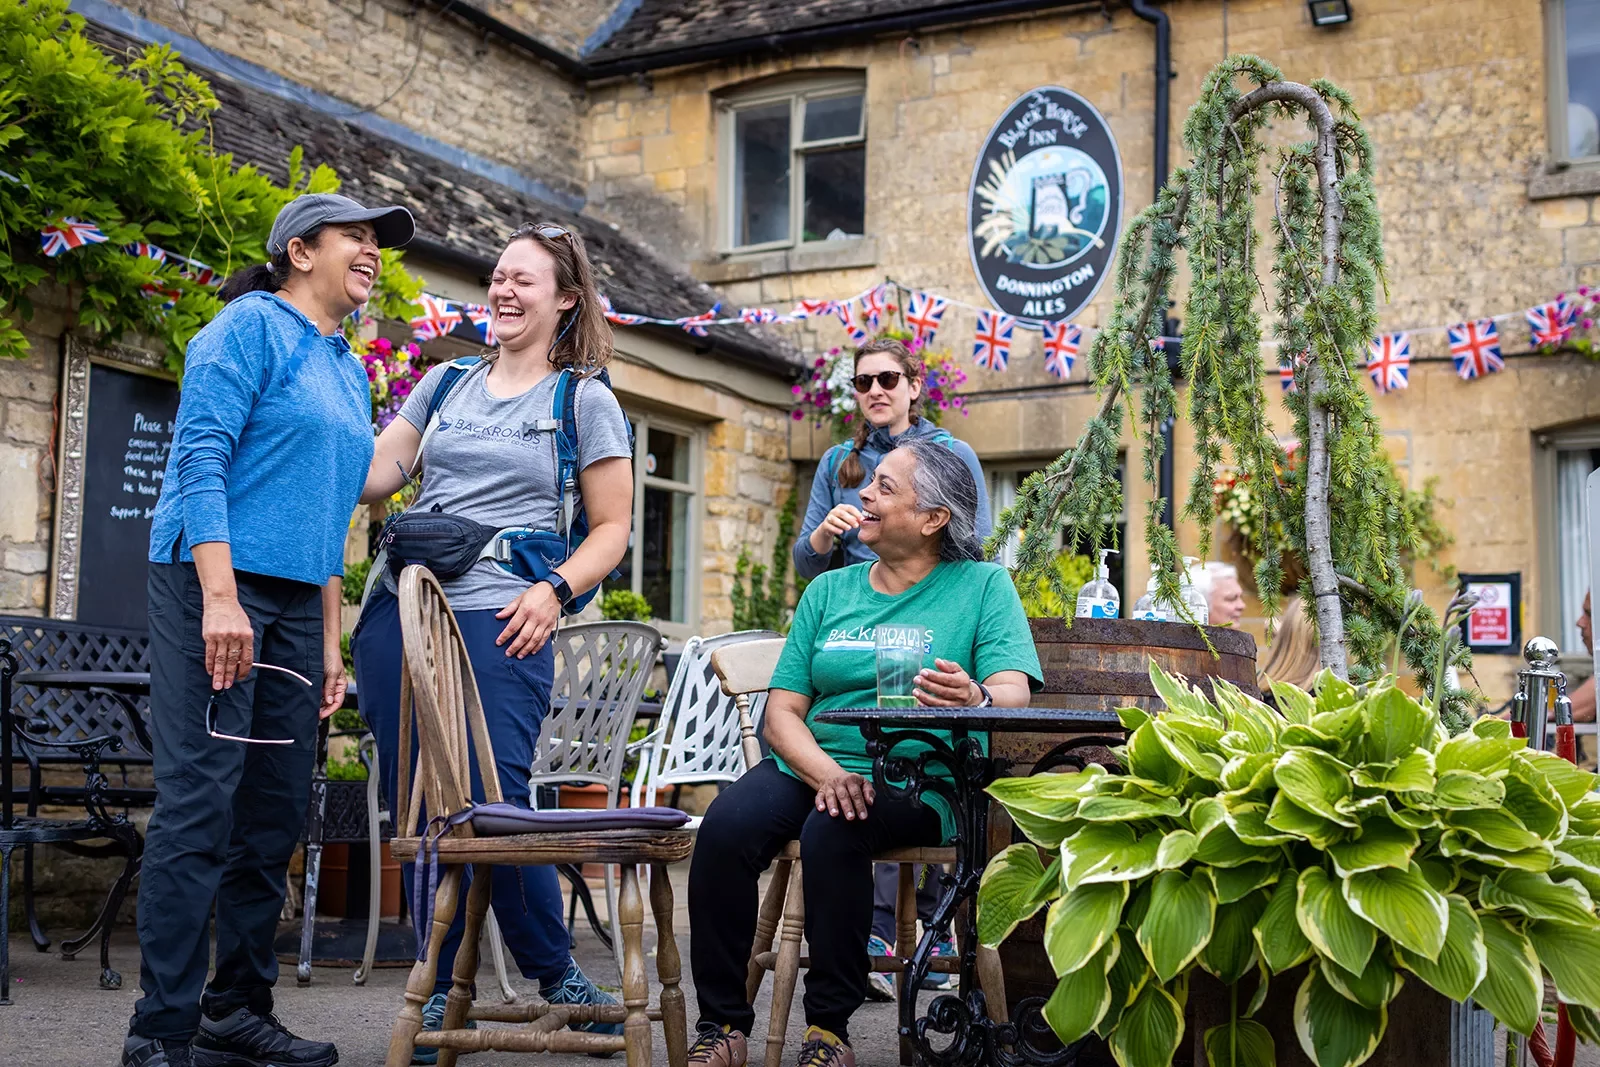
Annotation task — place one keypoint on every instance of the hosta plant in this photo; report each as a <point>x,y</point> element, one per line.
<point>1344,837</point>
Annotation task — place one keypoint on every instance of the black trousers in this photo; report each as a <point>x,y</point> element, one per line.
<point>227,814</point>
<point>744,829</point>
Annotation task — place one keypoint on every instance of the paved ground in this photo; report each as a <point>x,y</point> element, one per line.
<point>59,1017</point>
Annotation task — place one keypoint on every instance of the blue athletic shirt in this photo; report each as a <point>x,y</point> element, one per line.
<point>272,444</point>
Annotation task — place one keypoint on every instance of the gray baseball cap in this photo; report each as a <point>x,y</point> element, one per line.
<point>303,214</point>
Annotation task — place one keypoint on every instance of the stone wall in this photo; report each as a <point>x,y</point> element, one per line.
<point>468,90</point>
<point>27,473</point>
<point>1470,231</point>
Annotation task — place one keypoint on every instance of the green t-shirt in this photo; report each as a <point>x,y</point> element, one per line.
<point>974,618</point>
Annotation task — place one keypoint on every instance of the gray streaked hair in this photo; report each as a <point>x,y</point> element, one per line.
<point>942,480</point>
<point>1206,575</point>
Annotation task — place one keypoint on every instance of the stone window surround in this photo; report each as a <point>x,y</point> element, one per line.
<point>643,423</point>
<point>1564,176</point>
<point>770,91</point>
<point>1547,443</point>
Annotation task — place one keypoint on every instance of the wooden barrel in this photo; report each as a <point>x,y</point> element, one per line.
<point>1101,665</point>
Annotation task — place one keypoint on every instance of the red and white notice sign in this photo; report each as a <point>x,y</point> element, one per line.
<point>1489,624</point>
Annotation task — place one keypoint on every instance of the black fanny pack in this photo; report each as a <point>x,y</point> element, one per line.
<point>448,545</point>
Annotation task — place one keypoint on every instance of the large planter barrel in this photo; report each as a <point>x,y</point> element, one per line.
<point>1101,665</point>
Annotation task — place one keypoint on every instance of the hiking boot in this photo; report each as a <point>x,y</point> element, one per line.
<point>245,1039</point>
<point>719,1046</point>
<point>575,988</point>
<point>151,1052</point>
<point>936,980</point>
<point>433,1019</point>
<point>880,984</point>
<point>821,1048</point>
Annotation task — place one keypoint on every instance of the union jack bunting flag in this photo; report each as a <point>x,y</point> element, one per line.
<point>1475,348</point>
<point>873,302</point>
<point>54,240</point>
<point>858,333</point>
<point>482,320</point>
<point>807,308</point>
<point>1389,361</point>
<point>168,297</point>
<point>1061,340</point>
<point>1287,369</point>
<point>1551,323</point>
<point>195,271</point>
<point>695,324</point>
<point>439,317</point>
<point>923,312</point>
<point>618,317</point>
<point>991,348</point>
<point>758,315</point>
<point>147,250</point>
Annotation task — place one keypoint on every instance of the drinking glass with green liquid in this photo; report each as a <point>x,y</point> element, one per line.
<point>900,652</point>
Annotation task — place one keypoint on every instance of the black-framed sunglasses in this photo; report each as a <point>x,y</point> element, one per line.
<point>886,378</point>
<point>548,230</point>
<point>211,709</point>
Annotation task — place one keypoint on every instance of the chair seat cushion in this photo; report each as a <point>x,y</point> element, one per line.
<point>579,846</point>
<point>501,819</point>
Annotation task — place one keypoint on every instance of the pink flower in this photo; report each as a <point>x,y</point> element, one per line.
<point>848,417</point>
<point>820,361</point>
<point>1587,323</point>
<point>797,389</point>
<point>944,405</point>
<point>383,344</point>
<point>1561,296</point>
<point>797,415</point>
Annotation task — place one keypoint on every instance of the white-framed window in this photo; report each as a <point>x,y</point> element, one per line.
<point>663,560</point>
<point>794,163</point>
<point>1003,485</point>
<point>1573,76</point>
<point>1566,457</point>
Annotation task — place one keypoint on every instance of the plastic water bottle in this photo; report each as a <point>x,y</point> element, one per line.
<point>1199,607</point>
<point>1098,599</point>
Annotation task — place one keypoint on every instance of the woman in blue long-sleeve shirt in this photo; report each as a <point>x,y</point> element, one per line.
<point>271,448</point>
<point>889,389</point>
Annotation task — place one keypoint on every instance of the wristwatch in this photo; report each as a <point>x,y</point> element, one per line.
<point>988,697</point>
<point>559,584</point>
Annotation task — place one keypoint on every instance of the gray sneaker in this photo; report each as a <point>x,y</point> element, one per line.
<point>575,988</point>
<point>150,1052</point>
<point>245,1039</point>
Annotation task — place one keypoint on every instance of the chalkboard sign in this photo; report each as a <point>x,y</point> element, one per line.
<point>115,439</point>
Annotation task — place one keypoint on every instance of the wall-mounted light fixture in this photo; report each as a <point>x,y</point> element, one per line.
<point>1329,12</point>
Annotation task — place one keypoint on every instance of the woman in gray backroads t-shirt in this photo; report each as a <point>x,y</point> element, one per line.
<point>488,460</point>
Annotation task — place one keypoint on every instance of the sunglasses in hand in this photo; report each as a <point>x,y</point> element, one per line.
<point>886,378</point>
<point>211,709</point>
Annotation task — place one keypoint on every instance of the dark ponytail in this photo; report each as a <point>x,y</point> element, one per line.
<point>264,277</point>
<point>852,472</point>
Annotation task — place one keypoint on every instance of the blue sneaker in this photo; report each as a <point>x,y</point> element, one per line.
<point>880,984</point>
<point>433,1019</point>
<point>936,980</point>
<point>575,988</point>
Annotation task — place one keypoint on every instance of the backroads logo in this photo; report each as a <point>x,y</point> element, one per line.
<point>1045,206</point>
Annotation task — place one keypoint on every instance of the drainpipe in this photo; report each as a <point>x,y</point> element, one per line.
<point>1169,326</point>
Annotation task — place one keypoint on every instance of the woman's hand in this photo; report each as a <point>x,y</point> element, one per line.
<point>230,642</point>
<point>843,518</point>
<point>947,687</point>
<point>533,617</point>
<point>334,680</point>
<point>843,791</point>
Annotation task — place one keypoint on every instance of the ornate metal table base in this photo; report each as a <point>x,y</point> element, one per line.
<point>959,771</point>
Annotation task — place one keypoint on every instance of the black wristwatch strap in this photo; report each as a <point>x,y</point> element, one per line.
<point>559,585</point>
<point>988,697</point>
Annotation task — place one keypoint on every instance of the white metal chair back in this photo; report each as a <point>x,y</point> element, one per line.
<point>600,673</point>
<point>697,741</point>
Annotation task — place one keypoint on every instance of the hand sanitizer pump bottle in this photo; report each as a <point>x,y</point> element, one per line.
<point>1149,609</point>
<point>1098,599</point>
<point>1199,607</point>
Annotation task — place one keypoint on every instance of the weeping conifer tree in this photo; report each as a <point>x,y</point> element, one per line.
<point>1340,506</point>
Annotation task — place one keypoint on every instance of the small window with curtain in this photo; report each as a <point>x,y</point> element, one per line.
<point>662,562</point>
<point>1574,79</point>
<point>795,164</point>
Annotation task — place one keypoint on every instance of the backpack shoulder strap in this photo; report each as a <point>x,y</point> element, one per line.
<point>943,436</point>
<point>449,378</point>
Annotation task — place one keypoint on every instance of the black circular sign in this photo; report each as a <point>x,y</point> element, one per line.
<point>1045,206</point>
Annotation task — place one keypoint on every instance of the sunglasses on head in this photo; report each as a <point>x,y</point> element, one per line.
<point>886,378</point>
<point>211,710</point>
<point>548,230</point>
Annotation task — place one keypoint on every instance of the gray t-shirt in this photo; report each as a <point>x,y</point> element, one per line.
<point>489,463</point>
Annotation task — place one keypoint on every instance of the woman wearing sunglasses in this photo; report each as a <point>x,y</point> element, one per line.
<point>888,384</point>
<point>272,441</point>
<point>487,453</point>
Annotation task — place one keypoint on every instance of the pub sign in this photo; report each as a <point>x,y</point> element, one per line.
<point>1044,208</point>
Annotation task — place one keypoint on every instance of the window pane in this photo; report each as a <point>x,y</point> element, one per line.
<point>664,528</point>
<point>1572,540</point>
<point>837,116</point>
<point>668,456</point>
<point>761,180</point>
<point>1583,77</point>
<point>836,194</point>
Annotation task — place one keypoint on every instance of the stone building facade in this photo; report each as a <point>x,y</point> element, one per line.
<point>624,111</point>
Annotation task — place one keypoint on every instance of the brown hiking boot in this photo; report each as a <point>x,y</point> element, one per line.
<point>822,1049</point>
<point>719,1046</point>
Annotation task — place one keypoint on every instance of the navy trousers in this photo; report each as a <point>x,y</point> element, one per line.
<point>227,814</point>
<point>516,697</point>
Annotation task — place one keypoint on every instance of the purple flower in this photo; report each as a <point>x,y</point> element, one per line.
<point>820,361</point>
<point>797,415</point>
<point>1587,323</point>
<point>797,389</point>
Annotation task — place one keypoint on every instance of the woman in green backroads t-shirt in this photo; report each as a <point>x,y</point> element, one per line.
<point>919,517</point>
